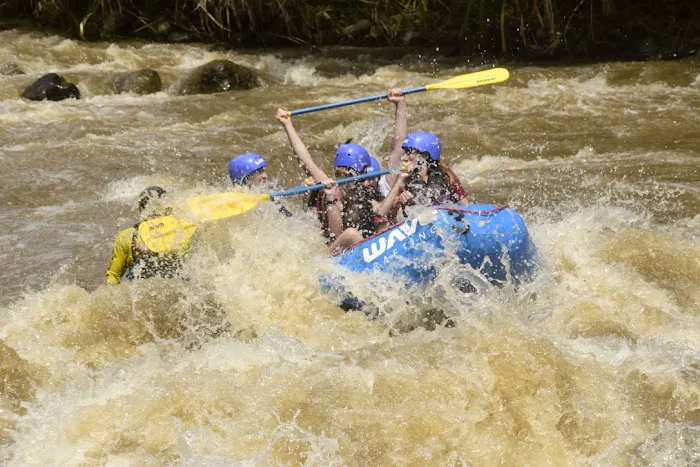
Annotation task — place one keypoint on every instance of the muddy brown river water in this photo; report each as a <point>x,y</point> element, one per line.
<point>596,362</point>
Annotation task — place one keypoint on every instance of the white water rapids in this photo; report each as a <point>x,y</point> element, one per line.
<point>596,362</point>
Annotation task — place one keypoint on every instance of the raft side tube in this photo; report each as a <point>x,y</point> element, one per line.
<point>491,239</point>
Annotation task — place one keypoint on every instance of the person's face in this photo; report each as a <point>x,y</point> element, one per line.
<point>156,207</point>
<point>411,159</point>
<point>258,177</point>
<point>371,183</point>
<point>353,189</point>
<point>344,172</point>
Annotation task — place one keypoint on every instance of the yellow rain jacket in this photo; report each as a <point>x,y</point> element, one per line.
<point>156,246</point>
<point>122,256</point>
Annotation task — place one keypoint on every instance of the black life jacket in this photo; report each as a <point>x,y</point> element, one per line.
<point>433,191</point>
<point>149,264</point>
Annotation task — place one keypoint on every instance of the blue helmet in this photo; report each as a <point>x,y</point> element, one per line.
<point>242,166</point>
<point>423,142</point>
<point>352,156</point>
<point>373,165</point>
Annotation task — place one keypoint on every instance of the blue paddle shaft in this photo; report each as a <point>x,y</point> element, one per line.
<point>304,189</point>
<point>354,101</point>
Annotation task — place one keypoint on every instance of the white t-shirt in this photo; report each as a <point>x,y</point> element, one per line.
<point>384,187</point>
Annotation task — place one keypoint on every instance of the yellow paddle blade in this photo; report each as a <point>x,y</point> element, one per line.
<point>221,205</point>
<point>470,80</point>
<point>166,234</point>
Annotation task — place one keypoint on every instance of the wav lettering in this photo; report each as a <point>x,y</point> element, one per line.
<point>382,244</point>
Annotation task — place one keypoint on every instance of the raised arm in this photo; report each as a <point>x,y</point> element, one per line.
<point>299,148</point>
<point>400,132</point>
<point>387,206</point>
<point>334,216</point>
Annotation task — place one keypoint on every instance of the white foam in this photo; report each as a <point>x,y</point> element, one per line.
<point>298,72</point>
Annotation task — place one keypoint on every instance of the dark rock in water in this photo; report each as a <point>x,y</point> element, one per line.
<point>51,87</point>
<point>10,68</point>
<point>144,81</point>
<point>215,76</point>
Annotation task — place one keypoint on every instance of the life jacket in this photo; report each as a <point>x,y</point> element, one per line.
<point>443,186</point>
<point>158,246</point>
<point>356,214</point>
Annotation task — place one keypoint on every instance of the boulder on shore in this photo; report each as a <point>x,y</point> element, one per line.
<point>51,87</point>
<point>215,76</point>
<point>145,81</point>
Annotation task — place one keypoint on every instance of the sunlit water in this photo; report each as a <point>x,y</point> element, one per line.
<point>597,361</point>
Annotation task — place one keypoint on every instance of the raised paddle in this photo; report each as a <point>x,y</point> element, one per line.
<point>470,80</point>
<point>231,203</point>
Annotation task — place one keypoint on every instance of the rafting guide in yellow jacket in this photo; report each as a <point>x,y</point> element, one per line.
<point>158,244</point>
<point>155,246</point>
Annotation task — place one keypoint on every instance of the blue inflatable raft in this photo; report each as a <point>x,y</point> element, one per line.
<point>493,240</point>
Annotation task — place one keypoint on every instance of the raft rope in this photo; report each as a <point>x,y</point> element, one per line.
<point>478,213</point>
<point>444,208</point>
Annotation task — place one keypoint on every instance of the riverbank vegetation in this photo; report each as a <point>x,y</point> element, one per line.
<point>520,28</point>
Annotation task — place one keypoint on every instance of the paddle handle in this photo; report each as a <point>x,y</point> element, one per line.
<point>354,101</point>
<point>319,186</point>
